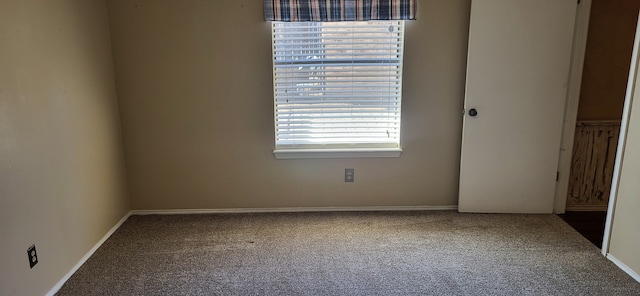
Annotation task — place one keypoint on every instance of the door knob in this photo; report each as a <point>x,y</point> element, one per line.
<point>473,112</point>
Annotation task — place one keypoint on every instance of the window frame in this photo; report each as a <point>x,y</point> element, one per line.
<point>346,149</point>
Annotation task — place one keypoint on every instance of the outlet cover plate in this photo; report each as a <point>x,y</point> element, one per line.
<point>33,256</point>
<point>349,175</point>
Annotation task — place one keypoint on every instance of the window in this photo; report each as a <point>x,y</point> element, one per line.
<point>337,88</point>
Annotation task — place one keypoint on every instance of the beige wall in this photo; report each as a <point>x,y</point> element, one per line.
<point>61,165</point>
<point>194,80</point>
<point>606,66</point>
<point>625,233</point>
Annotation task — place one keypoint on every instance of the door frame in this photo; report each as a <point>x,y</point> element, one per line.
<point>581,30</point>
<point>634,69</point>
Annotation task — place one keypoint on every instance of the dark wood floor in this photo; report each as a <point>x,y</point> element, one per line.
<point>589,224</point>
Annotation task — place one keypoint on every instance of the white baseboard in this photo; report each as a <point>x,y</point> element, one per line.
<point>84,259</point>
<point>600,208</point>
<point>293,209</point>
<point>624,267</point>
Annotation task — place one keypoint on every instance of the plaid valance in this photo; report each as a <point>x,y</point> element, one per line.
<point>338,10</point>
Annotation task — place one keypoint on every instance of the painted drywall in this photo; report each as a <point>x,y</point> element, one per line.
<point>606,65</point>
<point>62,184</point>
<point>625,233</point>
<point>195,90</point>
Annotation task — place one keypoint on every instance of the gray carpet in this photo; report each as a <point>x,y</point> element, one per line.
<point>369,253</point>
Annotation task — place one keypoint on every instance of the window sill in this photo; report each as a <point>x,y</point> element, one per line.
<point>337,153</point>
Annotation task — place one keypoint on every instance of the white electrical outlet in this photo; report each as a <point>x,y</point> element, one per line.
<point>349,175</point>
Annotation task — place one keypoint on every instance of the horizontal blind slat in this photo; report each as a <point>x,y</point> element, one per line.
<point>337,121</point>
<point>354,66</point>
<point>310,101</point>
<point>317,118</point>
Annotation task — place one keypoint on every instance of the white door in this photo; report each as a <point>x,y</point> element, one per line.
<point>517,74</point>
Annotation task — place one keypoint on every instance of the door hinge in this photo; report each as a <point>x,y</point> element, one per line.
<point>557,176</point>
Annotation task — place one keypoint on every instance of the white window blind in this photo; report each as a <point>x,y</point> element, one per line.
<point>337,84</point>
